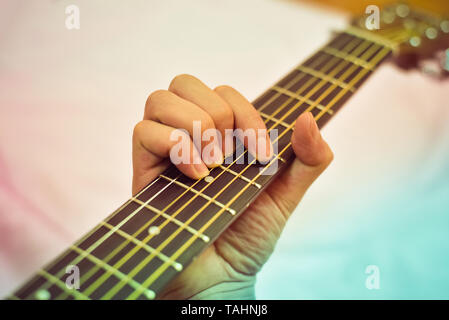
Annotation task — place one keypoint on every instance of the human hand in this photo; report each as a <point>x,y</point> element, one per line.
<point>228,267</point>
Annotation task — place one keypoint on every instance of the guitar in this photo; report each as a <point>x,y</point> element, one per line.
<point>137,250</point>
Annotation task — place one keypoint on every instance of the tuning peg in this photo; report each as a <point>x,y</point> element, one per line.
<point>431,33</point>
<point>438,67</point>
<point>402,10</point>
<point>415,41</point>
<point>444,25</point>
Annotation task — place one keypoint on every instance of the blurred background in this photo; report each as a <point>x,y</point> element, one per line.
<point>69,100</point>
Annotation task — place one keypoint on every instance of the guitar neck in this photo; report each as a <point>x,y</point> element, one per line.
<point>142,246</point>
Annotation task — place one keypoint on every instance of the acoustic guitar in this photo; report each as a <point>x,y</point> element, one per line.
<point>137,250</point>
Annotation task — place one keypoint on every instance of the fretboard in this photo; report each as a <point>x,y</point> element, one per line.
<point>142,246</point>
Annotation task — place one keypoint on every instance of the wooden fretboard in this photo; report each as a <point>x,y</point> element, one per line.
<point>137,250</point>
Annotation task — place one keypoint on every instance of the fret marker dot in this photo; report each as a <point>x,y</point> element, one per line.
<point>43,294</point>
<point>153,230</point>
<point>177,266</point>
<point>208,179</point>
<point>150,294</point>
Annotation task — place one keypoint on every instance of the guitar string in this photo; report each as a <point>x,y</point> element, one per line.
<point>112,254</point>
<point>155,275</point>
<point>158,178</point>
<point>136,269</point>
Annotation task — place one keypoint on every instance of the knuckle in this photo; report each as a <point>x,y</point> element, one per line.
<point>156,97</point>
<point>225,115</point>
<point>206,121</point>
<point>180,81</point>
<point>224,88</point>
<point>138,129</point>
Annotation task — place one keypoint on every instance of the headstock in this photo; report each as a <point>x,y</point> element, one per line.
<point>420,38</point>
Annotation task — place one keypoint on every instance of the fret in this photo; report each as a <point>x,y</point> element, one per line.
<point>176,265</point>
<point>158,186</point>
<point>300,98</point>
<point>268,117</point>
<point>323,76</point>
<point>54,280</point>
<point>221,205</point>
<point>371,36</point>
<point>240,177</point>
<point>378,58</point>
<point>174,220</point>
<point>111,270</point>
<point>348,57</point>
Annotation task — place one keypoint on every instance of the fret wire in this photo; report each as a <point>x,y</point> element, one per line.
<point>155,275</point>
<point>120,275</point>
<point>61,285</point>
<point>258,186</point>
<point>299,97</point>
<point>360,33</point>
<point>348,46</point>
<point>295,79</point>
<point>332,87</point>
<point>221,205</point>
<point>268,117</point>
<point>349,57</point>
<point>104,237</point>
<point>168,238</point>
<point>321,75</point>
<point>355,80</point>
<point>176,265</point>
<point>203,237</point>
<point>338,65</point>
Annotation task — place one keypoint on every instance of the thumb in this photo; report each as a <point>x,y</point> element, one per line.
<point>313,155</point>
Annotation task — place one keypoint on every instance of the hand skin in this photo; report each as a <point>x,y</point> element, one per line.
<point>227,269</point>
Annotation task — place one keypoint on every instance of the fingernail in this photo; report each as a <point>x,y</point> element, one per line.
<point>228,143</point>
<point>264,146</point>
<point>216,159</point>
<point>201,170</point>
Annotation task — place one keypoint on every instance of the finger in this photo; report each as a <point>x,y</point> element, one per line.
<point>192,89</point>
<point>153,142</point>
<point>246,118</point>
<point>313,155</point>
<point>166,107</point>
